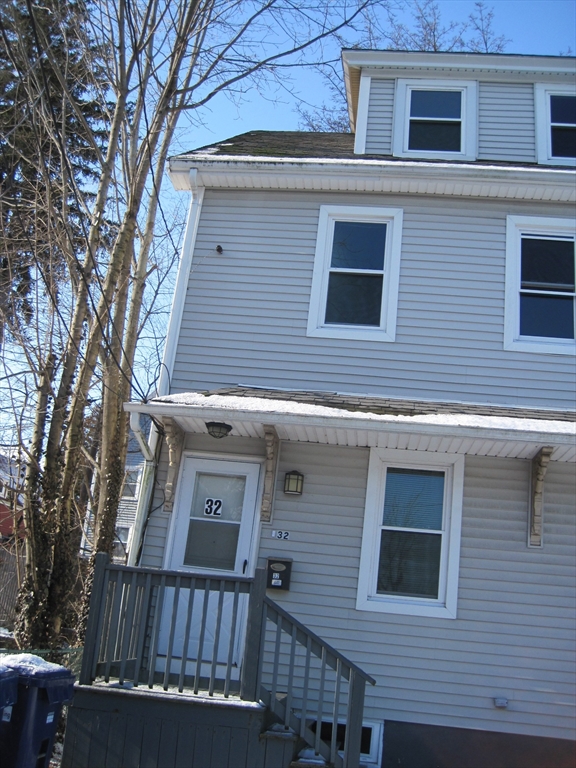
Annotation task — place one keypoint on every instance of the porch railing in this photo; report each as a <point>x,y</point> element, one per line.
<point>207,634</point>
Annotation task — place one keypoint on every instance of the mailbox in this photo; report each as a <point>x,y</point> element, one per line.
<point>279,572</point>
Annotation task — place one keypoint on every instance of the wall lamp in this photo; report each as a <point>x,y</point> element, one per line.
<point>218,429</point>
<point>293,482</point>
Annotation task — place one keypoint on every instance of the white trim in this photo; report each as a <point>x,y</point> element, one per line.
<point>368,175</point>
<point>361,124</point>
<point>542,93</point>
<point>329,214</point>
<point>468,119</point>
<point>446,604</point>
<point>516,226</point>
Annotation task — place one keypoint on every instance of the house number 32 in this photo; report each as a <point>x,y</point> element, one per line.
<point>213,507</point>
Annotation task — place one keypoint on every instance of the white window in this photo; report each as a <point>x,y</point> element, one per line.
<point>556,124</point>
<point>435,119</point>
<point>411,540</point>
<point>355,282</point>
<point>540,296</point>
<point>131,481</point>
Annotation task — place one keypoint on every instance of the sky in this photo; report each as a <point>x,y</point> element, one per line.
<point>544,27</point>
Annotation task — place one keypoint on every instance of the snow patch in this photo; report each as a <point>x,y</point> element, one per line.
<point>266,405</point>
<point>29,664</point>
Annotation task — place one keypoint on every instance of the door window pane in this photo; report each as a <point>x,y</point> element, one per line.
<point>358,245</point>
<point>227,489</point>
<point>354,299</point>
<point>210,545</point>
<point>413,498</point>
<point>409,564</point>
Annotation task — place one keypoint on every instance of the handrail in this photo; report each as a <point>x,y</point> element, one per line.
<point>318,640</point>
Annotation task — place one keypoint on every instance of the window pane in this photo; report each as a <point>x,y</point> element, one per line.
<point>414,498</point>
<point>435,136</point>
<point>549,316</point>
<point>210,545</point>
<point>409,563</point>
<point>226,489</point>
<point>354,299</point>
<point>547,264</point>
<point>358,245</point>
<point>436,104</point>
<point>563,109</point>
<point>563,142</point>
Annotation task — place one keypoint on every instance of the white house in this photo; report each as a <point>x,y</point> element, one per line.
<point>387,318</point>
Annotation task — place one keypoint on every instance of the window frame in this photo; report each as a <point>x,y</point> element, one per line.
<point>445,606</point>
<point>542,94</point>
<point>516,227</point>
<point>328,216</point>
<point>468,119</point>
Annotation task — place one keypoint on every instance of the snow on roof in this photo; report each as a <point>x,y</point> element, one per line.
<point>291,407</point>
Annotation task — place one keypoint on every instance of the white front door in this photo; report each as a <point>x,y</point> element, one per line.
<point>213,533</point>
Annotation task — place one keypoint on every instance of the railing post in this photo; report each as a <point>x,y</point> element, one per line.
<point>250,685</point>
<point>354,720</point>
<point>94,610</point>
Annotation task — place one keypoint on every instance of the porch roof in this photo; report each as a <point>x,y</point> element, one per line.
<point>329,418</point>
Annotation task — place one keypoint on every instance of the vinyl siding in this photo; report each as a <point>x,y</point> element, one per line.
<point>514,635</point>
<point>506,122</point>
<point>380,113</point>
<point>246,310</point>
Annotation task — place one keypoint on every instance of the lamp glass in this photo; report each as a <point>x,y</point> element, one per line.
<point>218,429</point>
<point>293,482</point>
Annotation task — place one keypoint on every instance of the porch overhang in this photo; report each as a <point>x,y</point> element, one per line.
<point>444,432</point>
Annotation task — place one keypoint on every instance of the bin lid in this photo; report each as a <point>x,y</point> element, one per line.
<point>34,671</point>
<point>8,686</point>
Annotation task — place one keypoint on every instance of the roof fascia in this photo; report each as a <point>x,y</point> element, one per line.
<point>380,176</point>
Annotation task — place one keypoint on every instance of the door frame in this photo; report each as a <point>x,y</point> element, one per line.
<point>256,523</point>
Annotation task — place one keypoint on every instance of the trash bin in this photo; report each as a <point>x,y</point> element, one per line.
<point>26,740</point>
<point>8,692</point>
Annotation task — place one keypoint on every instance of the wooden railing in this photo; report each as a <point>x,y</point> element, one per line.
<point>206,634</point>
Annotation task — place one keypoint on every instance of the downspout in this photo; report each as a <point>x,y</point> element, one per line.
<point>149,449</point>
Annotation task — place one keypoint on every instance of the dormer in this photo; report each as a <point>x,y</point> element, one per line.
<point>462,107</point>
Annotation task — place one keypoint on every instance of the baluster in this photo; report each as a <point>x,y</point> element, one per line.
<point>170,648</point>
<point>201,639</point>
<point>276,662</point>
<point>143,624</point>
<point>186,640</point>
<point>320,710</point>
<point>232,639</point>
<point>254,639</point>
<point>128,626</point>
<point>113,623</point>
<point>354,720</point>
<point>95,619</point>
<point>156,631</point>
<point>305,686</point>
<point>216,638</point>
<point>290,676</point>
<point>335,711</point>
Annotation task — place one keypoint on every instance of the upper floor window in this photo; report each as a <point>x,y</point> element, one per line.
<point>355,282</point>
<point>556,124</point>
<point>540,285</point>
<point>435,120</point>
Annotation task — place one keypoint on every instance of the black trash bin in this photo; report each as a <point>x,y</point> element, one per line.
<point>26,741</point>
<point>8,692</point>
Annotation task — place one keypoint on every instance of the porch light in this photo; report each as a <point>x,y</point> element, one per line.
<point>218,429</point>
<point>293,482</point>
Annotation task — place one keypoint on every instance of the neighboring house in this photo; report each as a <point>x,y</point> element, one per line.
<point>382,328</point>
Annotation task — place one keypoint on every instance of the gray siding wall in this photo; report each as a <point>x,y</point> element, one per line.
<point>246,310</point>
<point>514,635</point>
<point>380,112</point>
<point>506,122</point>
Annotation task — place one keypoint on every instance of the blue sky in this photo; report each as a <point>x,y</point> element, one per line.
<point>545,27</point>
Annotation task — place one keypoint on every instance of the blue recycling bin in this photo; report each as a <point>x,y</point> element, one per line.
<point>27,739</point>
<point>8,692</point>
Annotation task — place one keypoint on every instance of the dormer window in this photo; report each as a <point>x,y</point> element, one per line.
<point>556,124</point>
<point>435,120</point>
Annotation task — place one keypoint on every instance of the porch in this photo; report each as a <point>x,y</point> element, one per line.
<point>199,670</point>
